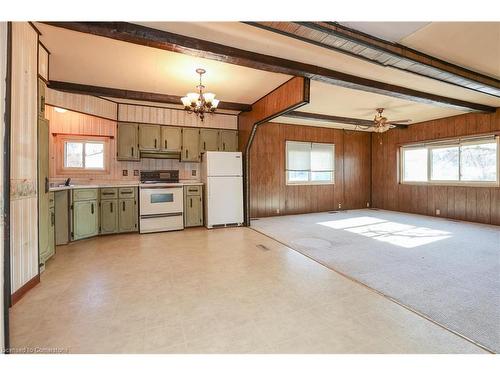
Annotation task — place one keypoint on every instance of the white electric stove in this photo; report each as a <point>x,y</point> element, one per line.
<point>161,201</point>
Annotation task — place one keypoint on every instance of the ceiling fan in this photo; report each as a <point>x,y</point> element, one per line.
<point>381,123</point>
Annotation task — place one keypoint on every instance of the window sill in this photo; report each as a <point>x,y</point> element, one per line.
<point>453,184</point>
<point>308,183</point>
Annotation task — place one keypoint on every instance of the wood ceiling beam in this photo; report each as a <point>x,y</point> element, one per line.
<point>343,39</point>
<point>164,40</point>
<point>335,119</point>
<point>78,88</point>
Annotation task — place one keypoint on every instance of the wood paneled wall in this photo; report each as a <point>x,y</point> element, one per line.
<point>23,162</point>
<point>90,105</point>
<point>3,75</point>
<point>172,116</point>
<point>77,123</point>
<point>292,94</point>
<point>269,194</point>
<point>478,204</point>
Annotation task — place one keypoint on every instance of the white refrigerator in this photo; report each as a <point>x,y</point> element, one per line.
<point>222,174</point>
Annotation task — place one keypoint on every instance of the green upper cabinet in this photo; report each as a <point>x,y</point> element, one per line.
<point>171,138</point>
<point>149,137</point>
<point>85,219</point>
<point>209,140</point>
<point>127,215</point>
<point>127,141</point>
<point>109,216</point>
<point>228,140</point>
<point>190,145</point>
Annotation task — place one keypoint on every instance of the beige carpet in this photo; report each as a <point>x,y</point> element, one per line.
<point>447,270</point>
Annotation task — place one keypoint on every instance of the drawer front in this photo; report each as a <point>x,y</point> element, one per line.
<point>84,194</point>
<point>109,193</point>
<point>51,199</point>
<point>126,192</point>
<point>161,224</point>
<point>193,190</point>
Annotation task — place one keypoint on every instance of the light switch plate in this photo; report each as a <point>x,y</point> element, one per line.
<point>124,172</point>
<point>136,172</point>
<point>193,172</point>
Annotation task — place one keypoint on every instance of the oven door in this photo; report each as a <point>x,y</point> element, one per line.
<point>161,200</point>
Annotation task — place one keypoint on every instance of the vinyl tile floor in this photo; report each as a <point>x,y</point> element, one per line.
<point>210,291</point>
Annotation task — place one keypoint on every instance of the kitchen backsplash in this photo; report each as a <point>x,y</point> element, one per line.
<point>81,124</point>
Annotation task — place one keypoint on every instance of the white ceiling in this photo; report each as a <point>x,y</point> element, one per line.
<point>106,62</point>
<point>334,100</point>
<point>251,38</point>
<point>474,45</point>
<point>92,60</point>
<point>391,31</point>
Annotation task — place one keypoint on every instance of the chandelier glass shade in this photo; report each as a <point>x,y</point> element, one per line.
<point>200,102</point>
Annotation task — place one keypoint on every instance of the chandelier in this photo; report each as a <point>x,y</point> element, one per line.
<point>200,102</point>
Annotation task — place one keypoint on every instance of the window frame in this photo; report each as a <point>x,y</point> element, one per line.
<point>309,182</point>
<point>61,141</point>
<point>455,142</point>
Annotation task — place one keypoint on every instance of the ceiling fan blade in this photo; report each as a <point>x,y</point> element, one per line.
<point>400,126</point>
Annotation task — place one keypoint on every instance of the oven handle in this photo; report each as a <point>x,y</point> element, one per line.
<point>153,216</point>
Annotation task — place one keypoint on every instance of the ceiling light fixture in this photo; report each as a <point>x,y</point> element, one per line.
<point>199,102</point>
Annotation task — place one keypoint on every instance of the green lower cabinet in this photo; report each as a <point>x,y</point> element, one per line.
<point>109,216</point>
<point>193,206</point>
<point>50,250</point>
<point>85,219</point>
<point>127,215</point>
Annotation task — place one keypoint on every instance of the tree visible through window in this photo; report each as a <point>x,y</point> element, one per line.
<point>459,161</point>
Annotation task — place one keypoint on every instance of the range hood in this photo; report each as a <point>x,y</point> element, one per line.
<point>161,155</point>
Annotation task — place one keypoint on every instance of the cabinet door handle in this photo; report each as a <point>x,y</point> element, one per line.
<point>52,218</point>
<point>223,146</point>
<point>92,208</point>
<point>111,207</point>
<point>155,143</point>
<point>187,152</point>
<point>166,143</point>
<point>123,206</point>
<point>204,146</point>
<point>132,150</point>
<point>191,202</point>
<point>46,184</point>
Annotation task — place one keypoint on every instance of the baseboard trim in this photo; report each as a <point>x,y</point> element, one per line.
<point>18,294</point>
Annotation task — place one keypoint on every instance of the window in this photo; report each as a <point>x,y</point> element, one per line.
<point>461,161</point>
<point>309,163</point>
<point>81,154</point>
<point>84,154</point>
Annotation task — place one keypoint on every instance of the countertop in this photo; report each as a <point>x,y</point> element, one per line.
<point>125,184</point>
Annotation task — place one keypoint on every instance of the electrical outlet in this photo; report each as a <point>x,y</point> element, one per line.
<point>340,206</point>
<point>124,172</point>
<point>438,212</point>
<point>367,204</point>
<point>277,210</point>
<point>136,172</point>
